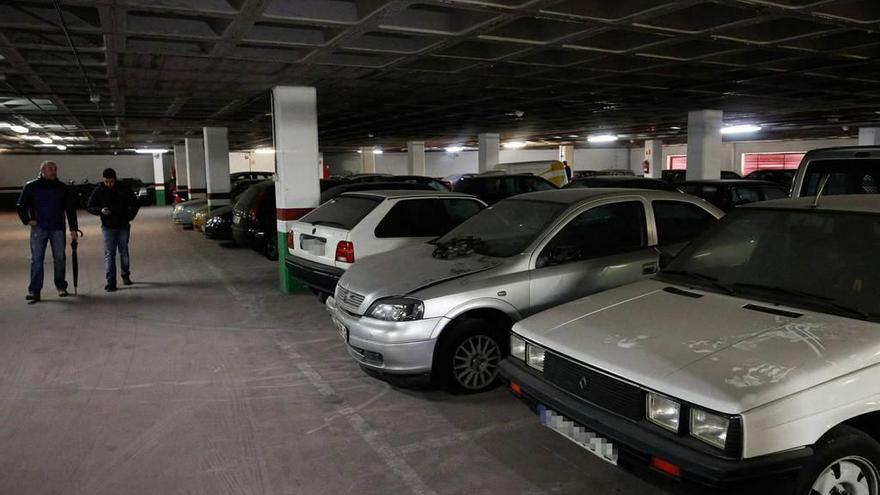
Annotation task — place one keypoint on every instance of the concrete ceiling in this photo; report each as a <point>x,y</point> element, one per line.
<point>436,70</point>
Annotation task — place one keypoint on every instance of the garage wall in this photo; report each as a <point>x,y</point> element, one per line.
<point>251,162</point>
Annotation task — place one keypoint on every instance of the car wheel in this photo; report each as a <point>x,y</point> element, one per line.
<point>468,358</point>
<point>271,250</point>
<point>845,463</point>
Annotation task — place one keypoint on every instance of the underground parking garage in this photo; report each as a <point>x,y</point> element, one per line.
<point>439,246</point>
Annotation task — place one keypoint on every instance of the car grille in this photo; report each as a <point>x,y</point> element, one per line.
<point>349,300</point>
<point>597,388</point>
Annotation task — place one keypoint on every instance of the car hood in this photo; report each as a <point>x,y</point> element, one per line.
<point>193,204</point>
<point>406,270</point>
<point>222,211</point>
<point>706,348</point>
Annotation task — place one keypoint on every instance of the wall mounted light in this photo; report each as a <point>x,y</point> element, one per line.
<point>740,129</point>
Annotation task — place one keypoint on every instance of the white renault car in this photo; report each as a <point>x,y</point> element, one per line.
<point>752,361</point>
<point>325,242</point>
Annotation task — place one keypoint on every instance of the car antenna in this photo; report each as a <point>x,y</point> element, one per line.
<point>821,191</point>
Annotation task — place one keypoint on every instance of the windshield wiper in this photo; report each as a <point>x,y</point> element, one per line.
<point>816,299</point>
<point>708,279</point>
<point>328,223</point>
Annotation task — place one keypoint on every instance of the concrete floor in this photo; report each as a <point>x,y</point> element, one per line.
<point>204,379</point>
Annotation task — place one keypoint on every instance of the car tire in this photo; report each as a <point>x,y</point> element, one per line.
<point>845,457</point>
<point>271,249</point>
<point>468,356</point>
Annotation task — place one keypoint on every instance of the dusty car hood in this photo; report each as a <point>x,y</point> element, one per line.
<point>708,350</point>
<point>407,270</point>
<point>193,204</point>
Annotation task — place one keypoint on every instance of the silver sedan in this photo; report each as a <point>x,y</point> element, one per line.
<point>444,309</point>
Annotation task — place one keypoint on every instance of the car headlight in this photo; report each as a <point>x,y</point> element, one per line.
<point>535,357</point>
<point>710,428</point>
<point>397,309</point>
<point>664,412</point>
<point>517,347</point>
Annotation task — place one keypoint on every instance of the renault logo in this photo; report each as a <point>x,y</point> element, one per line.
<point>582,383</point>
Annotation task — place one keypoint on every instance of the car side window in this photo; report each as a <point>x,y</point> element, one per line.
<point>459,210</point>
<point>743,195</point>
<point>678,221</point>
<point>601,231</point>
<point>413,218</point>
<point>535,184</point>
<point>773,193</point>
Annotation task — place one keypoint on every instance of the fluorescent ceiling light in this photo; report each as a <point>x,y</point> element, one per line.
<point>514,145</point>
<point>150,151</point>
<point>46,140</point>
<point>602,138</point>
<point>19,129</point>
<point>454,149</point>
<point>61,147</point>
<point>740,129</point>
<point>265,151</point>
<point>377,151</point>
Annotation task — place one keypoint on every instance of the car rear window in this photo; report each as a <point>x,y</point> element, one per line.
<point>343,212</point>
<point>408,217</point>
<point>845,177</point>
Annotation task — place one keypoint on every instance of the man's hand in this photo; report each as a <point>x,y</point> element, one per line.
<point>32,223</point>
<point>105,211</point>
<point>74,235</point>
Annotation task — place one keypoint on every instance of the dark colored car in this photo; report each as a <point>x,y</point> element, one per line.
<point>622,181</point>
<point>676,176</point>
<point>728,194</point>
<point>492,188</point>
<point>253,219</point>
<point>146,194</point>
<point>240,176</point>
<point>219,222</point>
<point>782,177</point>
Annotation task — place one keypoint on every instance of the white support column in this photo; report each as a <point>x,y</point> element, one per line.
<point>869,136</point>
<point>489,144</point>
<point>159,178</point>
<point>195,167</point>
<point>566,154</point>
<point>217,166</point>
<point>704,144</point>
<point>297,189</point>
<point>181,179</point>
<point>654,158</point>
<point>415,158</point>
<point>368,160</point>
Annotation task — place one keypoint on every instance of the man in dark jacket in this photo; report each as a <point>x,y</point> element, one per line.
<point>43,204</point>
<point>117,206</point>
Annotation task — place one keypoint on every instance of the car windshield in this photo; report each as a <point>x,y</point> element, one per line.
<point>506,228</point>
<point>819,260</point>
<point>844,177</point>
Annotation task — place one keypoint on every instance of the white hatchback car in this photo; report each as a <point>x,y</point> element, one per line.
<point>325,242</point>
<point>751,361</point>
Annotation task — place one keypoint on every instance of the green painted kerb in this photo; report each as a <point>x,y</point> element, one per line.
<point>289,285</point>
<point>160,197</point>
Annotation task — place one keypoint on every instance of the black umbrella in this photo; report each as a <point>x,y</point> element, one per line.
<point>74,261</point>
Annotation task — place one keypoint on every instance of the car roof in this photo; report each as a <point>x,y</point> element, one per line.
<point>614,178</point>
<point>576,195</point>
<point>405,193</point>
<point>732,182</point>
<point>852,203</point>
<point>486,176</point>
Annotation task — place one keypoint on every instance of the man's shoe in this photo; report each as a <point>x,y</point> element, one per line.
<point>62,293</point>
<point>110,287</point>
<point>32,295</point>
<point>126,280</point>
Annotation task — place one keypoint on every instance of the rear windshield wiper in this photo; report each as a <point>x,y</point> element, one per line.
<point>328,223</point>
<point>815,299</point>
<point>708,279</point>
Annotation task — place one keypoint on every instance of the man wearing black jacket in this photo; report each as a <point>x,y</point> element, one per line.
<point>117,206</point>
<point>43,204</point>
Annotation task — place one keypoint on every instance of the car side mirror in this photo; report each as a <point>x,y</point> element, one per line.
<point>665,259</point>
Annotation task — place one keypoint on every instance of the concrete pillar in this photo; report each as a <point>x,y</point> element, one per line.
<point>488,151</point>
<point>869,136</point>
<point>159,178</point>
<point>654,158</point>
<point>180,177</point>
<point>704,144</point>
<point>217,166</point>
<point>566,154</point>
<point>297,189</point>
<point>415,158</point>
<point>368,160</point>
<point>195,167</point>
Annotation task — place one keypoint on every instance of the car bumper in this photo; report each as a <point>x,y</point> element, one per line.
<point>636,445</point>
<point>320,277</point>
<point>386,346</point>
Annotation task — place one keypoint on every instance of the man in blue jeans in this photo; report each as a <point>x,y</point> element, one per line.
<point>117,206</point>
<point>43,204</point>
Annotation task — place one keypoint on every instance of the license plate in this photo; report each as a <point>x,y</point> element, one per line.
<point>593,443</point>
<point>343,331</point>
<point>313,245</point>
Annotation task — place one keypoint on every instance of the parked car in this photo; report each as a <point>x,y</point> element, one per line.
<point>219,224</point>
<point>375,186</point>
<point>492,188</point>
<point>182,213</point>
<point>201,215</point>
<point>850,170</point>
<point>444,309</point>
<point>676,176</point>
<point>751,361</point>
<point>608,172</point>
<point>728,194</point>
<point>621,181</point>
<point>145,193</point>
<point>780,176</point>
<point>324,243</point>
<point>253,219</point>
<point>250,176</point>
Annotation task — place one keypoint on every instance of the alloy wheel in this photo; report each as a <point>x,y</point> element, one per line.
<point>475,362</point>
<point>848,476</point>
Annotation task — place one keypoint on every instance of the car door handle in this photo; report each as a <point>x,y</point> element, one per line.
<point>649,268</point>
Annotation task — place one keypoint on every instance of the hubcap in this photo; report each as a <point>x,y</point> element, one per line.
<point>475,362</point>
<point>847,476</point>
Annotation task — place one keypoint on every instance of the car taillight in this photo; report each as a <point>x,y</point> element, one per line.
<point>290,238</point>
<point>345,252</point>
<point>252,213</point>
